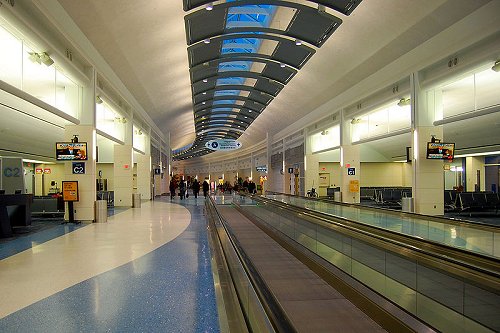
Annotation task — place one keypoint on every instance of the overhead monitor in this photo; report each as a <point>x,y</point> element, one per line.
<point>71,151</point>
<point>440,151</point>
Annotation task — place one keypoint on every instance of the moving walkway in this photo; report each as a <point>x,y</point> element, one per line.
<point>403,282</point>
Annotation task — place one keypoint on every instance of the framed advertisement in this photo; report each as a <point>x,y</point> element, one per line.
<point>70,191</point>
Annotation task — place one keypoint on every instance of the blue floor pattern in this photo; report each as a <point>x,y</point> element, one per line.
<point>168,290</point>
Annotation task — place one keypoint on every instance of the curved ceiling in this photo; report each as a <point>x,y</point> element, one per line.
<point>239,61</point>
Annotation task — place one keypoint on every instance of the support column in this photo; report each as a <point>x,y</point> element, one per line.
<point>311,165</point>
<point>475,173</point>
<point>350,165</point>
<point>123,174</point>
<point>144,175</point>
<point>428,175</point>
<point>84,208</point>
<point>350,169</point>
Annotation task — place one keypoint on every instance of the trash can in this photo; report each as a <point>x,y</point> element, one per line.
<point>101,211</point>
<point>407,205</point>
<point>136,200</point>
<point>337,196</point>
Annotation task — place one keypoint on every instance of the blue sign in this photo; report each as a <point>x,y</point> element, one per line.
<point>78,168</point>
<point>351,171</point>
<point>223,144</point>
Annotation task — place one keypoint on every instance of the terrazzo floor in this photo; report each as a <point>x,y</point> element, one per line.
<point>146,270</point>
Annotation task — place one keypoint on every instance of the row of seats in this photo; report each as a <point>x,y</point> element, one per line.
<point>47,205</point>
<point>471,201</point>
<point>385,196</point>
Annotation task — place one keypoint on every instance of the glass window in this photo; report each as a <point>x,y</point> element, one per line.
<point>487,88</point>
<point>139,139</point>
<point>328,138</point>
<point>67,94</point>
<point>110,121</point>
<point>11,65</point>
<point>458,97</point>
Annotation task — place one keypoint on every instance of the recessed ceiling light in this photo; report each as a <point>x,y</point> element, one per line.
<point>298,42</point>
<point>203,103</point>
<point>204,93</point>
<point>209,6</point>
<point>206,41</point>
<point>205,80</point>
<point>282,65</point>
<point>250,111</point>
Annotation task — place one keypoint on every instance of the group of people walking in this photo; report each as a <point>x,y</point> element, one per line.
<point>183,188</point>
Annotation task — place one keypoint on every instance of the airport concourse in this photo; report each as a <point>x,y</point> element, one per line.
<point>249,166</point>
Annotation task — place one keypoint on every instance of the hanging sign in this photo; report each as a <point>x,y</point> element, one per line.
<point>39,171</point>
<point>223,144</point>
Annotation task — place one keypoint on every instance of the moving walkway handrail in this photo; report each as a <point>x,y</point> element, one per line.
<point>276,314</point>
<point>475,267</point>
<point>460,223</point>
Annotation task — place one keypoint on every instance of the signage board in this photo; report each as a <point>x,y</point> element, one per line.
<point>223,144</point>
<point>351,171</point>
<point>78,168</point>
<point>70,190</point>
<point>354,186</point>
<point>38,171</point>
<point>47,171</point>
<point>67,151</point>
<point>290,170</point>
<point>261,168</point>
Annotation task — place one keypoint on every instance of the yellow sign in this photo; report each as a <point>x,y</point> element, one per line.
<point>354,186</point>
<point>70,190</point>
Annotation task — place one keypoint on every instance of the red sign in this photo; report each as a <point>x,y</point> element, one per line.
<point>47,171</point>
<point>38,171</point>
<point>347,165</point>
<point>125,166</point>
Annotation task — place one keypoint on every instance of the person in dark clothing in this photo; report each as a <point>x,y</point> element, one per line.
<point>196,188</point>
<point>172,189</point>
<point>182,188</point>
<point>252,189</point>
<point>206,187</point>
<point>245,185</point>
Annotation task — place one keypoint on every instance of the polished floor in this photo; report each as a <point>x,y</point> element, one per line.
<point>146,270</point>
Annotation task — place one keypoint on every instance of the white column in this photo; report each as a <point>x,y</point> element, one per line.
<point>123,174</point>
<point>350,164</point>
<point>428,175</point>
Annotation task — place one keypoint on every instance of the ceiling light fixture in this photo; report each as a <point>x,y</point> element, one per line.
<point>298,42</point>
<point>46,59</point>
<point>404,102</point>
<point>205,80</point>
<point>496,66</point>
<point>34,57</point>
<point>209,6</point>
<point>206,41</point>
<point>282,65</point>
<point>98,99</point>
<point>204,93</point>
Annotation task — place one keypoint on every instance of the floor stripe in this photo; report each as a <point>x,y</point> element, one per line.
<point>60,263</point>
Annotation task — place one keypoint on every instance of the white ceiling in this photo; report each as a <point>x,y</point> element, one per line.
<point>145,44</point>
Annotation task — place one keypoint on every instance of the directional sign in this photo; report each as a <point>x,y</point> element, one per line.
<point>223,144</point>
<point>351,171</point>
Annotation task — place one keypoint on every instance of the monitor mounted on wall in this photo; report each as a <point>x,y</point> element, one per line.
<point>71,151</point>
<point>440,151</point>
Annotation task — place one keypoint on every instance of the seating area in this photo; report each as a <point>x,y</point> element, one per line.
<point>47,206</point>
<point>388,197</point>
<point>469,202</point>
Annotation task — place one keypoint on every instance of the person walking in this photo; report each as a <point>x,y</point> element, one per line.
<point>182,189</point>
<point>196,188</point>
<point>206,187</point>
<point>172,189</point>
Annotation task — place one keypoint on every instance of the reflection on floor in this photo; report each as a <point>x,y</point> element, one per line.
<point>146,270</point>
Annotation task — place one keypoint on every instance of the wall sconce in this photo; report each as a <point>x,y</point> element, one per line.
<point>324,132</point>
<point>98,99</point>
<point>355,121</point>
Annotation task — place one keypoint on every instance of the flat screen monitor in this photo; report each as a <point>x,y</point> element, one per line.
<point>440,150</point>
<point>71,151</point>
